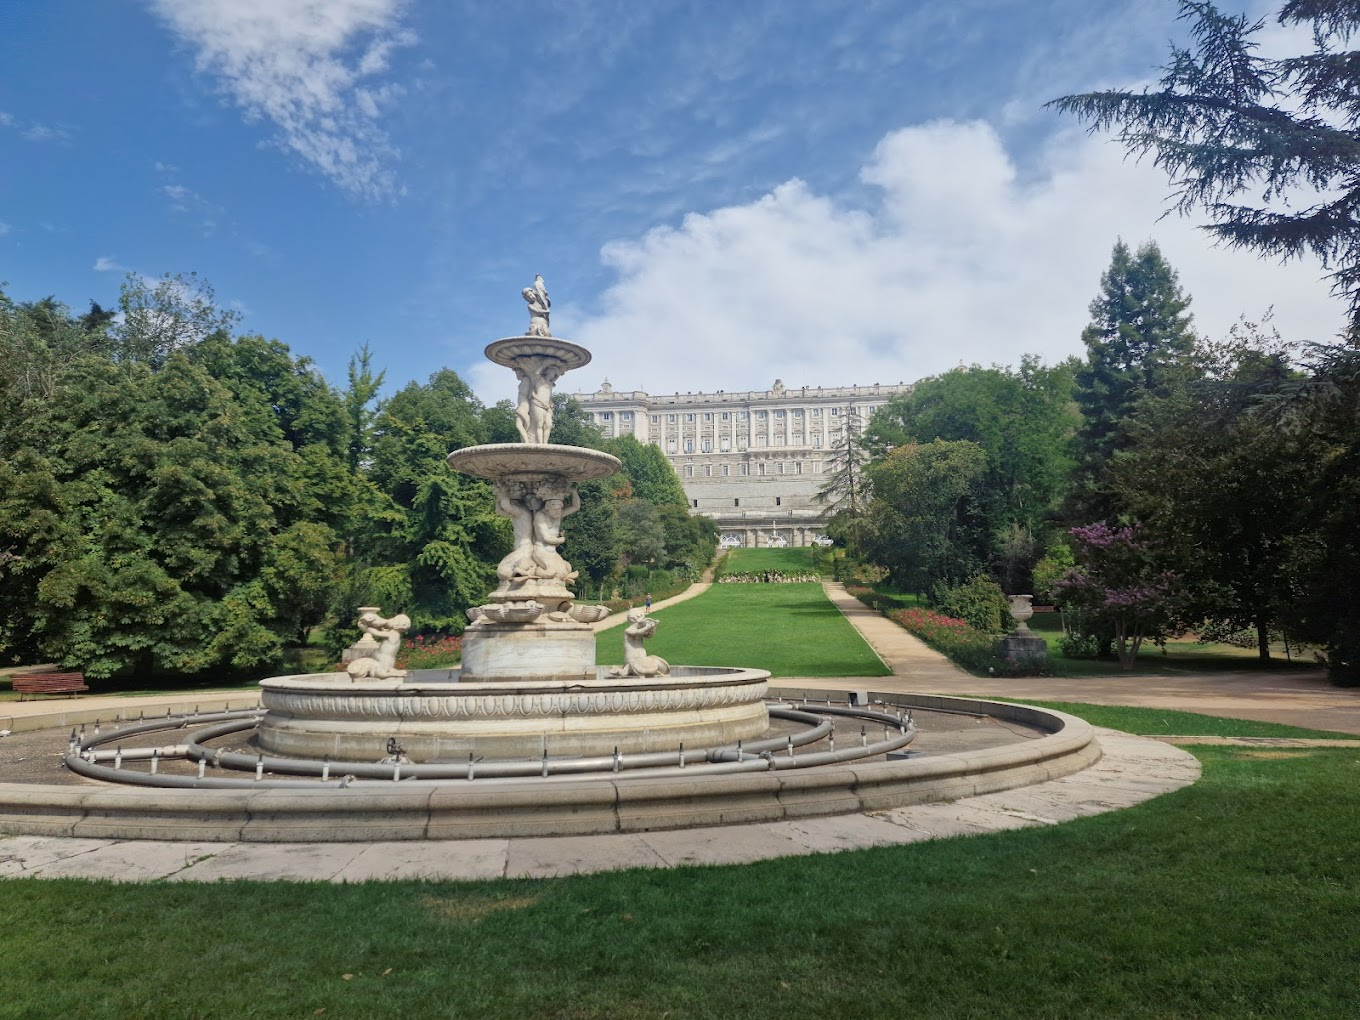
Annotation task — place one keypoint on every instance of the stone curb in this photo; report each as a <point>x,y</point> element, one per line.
<point>1133,770</point>
<point>510,808</point>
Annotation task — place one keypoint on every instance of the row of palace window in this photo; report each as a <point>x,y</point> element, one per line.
<point>725,444</point>
<point>775,468</point>
<point>707,416</point>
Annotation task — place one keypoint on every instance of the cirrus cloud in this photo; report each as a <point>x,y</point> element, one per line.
<point>312,68</point>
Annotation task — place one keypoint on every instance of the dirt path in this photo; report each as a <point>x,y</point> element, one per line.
<point>1295,698</point>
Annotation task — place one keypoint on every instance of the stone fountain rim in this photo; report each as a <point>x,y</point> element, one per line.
<point>504,352</point>
<point>339,683</point>
<point>575,463</point>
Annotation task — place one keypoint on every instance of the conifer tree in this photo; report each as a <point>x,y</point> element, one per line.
<point>1139,342</point>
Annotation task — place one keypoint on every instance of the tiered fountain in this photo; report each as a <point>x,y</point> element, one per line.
<point>529,685</point>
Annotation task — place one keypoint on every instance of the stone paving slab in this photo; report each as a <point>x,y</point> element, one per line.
<point>1133,770</point>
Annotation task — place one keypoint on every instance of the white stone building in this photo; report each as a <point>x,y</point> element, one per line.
<point>753,461</point>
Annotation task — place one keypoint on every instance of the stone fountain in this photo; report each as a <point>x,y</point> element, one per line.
<point>529,685</point>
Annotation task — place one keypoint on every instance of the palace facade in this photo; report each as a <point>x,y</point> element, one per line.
<point>753,461</point>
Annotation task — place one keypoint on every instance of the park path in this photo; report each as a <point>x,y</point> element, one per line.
<point>1296,698</point>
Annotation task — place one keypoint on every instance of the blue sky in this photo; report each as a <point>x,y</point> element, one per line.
<point>718,194</point>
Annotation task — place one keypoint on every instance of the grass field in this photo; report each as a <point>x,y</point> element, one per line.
<point>1236,897</point>
<point>789,629</point>
<point>757,561</point>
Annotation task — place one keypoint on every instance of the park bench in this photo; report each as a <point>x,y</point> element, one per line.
<point>48,683</point>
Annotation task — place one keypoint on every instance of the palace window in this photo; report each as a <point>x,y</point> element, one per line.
<point>656,419</point>
<point>817,440</point>
<point>743,415</point>
<point>689,470</point>
<point>708,446</point>
<point>798,439</point>
<point>777,500</point>
<point>736,502</point>
<point>816,412</point>
<point>670,446</point>
<point>742,469</point>
<point>708,416</point>
<point>779,468</point>
<point>798,413</point>
<point>779,439</point>
<point>727,416</point>
<point>689,417</point>
<point>760,416</point>
<point>606,416</point>
<point>741,442</point>
<point>625,415</point>
<point>760,468</point>
<point>798,468</point>
<point>724,470</point>
<point>695,504</point>
<point>689,445</point>
<point>724,444</point>
<point>670,418</point>
<point>708,470</point>
<point>779,415</point>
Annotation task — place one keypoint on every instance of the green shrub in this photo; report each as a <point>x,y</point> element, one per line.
<point>979,601</point>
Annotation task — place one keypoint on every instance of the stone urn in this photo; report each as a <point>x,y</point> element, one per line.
<point>1022,644</point>
<point>1022,608</point>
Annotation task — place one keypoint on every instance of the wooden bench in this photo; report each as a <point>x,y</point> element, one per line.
<point>48,683</point>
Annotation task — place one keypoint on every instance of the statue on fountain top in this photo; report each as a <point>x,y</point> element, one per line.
<point>534,411</point>
<point>539,305</point>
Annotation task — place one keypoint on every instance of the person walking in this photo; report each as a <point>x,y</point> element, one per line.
<point>647,606</point>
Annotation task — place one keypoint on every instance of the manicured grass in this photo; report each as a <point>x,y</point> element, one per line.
<point>1166,722</point>
<point>757,561</point>
<point>1235,897</point>
<point>789,629</point>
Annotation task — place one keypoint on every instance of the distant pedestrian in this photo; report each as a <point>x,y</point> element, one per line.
<point>647,606</point>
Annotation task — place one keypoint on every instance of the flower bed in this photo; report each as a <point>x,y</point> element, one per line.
<point>769,577</point>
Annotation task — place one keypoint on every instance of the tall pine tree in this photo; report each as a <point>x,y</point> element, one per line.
<point>1139,342</point>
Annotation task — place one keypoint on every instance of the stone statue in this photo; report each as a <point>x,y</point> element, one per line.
<point>534,410</point>
<point>512,502</point>
<point>636,660</point>
<point>539,305</point>
<point>552,502</point>
<point>383,664</point>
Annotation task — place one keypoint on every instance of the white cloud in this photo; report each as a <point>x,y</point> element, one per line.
<point>305,65</point>
<point>46,133</point>
<point>956,256</point>
<point>108,264</point>
<point>5,228</point>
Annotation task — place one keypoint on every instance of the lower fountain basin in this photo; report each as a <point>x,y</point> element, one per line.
<point>435,715</point>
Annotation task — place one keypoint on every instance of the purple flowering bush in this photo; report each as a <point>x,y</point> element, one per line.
<point>1119,581</point>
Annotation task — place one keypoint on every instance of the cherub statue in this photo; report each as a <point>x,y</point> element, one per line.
<point>552,504</point>
<point>636,660</point>
<point>383,664</point>
<point>534,410</point>
<point>513,501</point>
<point>539,306</point>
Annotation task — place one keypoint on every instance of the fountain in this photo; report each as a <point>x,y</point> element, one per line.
<point>528,685</point>
<point>529,737</point>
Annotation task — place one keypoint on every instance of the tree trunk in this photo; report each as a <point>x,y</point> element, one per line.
<point>1263,638</point>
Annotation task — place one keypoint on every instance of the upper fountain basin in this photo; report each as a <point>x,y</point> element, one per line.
<point>506,352</point>
<point>506,460</point>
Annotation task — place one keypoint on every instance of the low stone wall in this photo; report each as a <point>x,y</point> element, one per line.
<point>566,806</point>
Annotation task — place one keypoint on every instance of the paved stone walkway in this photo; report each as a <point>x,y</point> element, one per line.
<point>1133,769</point>
<point>1297,698</point>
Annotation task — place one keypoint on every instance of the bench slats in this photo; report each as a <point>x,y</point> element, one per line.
<point>48,683</point>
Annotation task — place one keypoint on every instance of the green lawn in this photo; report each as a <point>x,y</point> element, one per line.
<point>757,561</point>
<point>1179,657</point>
<point>1236,897</point>
<point>789,629</point>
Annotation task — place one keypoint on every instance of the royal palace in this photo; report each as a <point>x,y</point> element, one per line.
<point>753,461</point>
